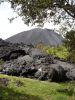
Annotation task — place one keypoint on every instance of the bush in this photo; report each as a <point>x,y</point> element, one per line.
<point>59,51</point>
<point>71,57</point>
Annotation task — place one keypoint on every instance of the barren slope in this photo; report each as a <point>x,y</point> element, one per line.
<point>37,35</point>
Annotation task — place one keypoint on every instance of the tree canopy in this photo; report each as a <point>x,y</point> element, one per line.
<point>70,40</point>
<point>41,11</point>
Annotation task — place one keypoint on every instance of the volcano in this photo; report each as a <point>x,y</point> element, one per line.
<point>37,35</point>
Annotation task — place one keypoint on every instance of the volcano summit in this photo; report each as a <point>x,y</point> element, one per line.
<point>37,35</point>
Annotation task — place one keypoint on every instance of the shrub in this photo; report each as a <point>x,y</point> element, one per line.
<point>57,51</point>
<point>71,57</point>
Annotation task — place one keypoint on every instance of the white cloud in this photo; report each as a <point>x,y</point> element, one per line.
<point>8,29</point>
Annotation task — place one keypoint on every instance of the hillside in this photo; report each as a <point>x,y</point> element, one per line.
<point>14,88</point>
<point>37,74</point>
<point>34,36</point>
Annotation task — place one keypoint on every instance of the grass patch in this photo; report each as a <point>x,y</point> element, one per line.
<point>28,89</point>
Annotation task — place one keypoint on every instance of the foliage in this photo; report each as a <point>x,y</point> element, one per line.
<point>70,40</point>
<point>59,51</point>
<point>35,90</point>
<point>71,57</point>
<point>70,44</point>
<point>69,89</point>
<point>41,11</point>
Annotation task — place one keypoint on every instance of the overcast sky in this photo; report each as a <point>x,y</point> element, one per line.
<point>8,29</point>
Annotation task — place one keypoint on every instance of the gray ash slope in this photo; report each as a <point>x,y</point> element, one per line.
<point>34,36</point>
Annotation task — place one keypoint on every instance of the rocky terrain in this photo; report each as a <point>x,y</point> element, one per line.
<point>36,35</point>
<point>27,61</point>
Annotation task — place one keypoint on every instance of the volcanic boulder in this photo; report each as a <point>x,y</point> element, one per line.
<point>27,61</point>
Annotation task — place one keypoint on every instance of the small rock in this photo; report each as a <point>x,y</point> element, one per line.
<point>71,74</point>
<point>4,81</point>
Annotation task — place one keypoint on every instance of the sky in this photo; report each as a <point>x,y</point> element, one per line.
<point>8,29</point>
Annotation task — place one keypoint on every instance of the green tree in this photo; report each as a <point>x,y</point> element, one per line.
<point>70,44</point>
<point>70,40</point>
<point>40,11</point>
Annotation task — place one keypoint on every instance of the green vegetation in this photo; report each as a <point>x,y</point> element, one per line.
<point>70,40</point>
<point>41,11</point>
<point>14,88</point>
<point>70,44</point>
<point>59,51</point>
<point>71,57</point>
<point>66,51</point>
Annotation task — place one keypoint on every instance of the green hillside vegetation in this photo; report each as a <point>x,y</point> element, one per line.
<point>59,51</point>
<point>14,88</point>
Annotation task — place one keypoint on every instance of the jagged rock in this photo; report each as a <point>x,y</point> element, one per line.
<point>57,73</point>
<point>71,74</point>
<point>27,61</point>
<point>13,55</point>
<point>49,59</point>
<point>19,67</point>
<point>45,59</point>
<point>12,68</point>
<point>10,51</point>
<point>67,66</point>
<point>3,43</point>
<point>4,82</point>
<point>54,73</point>
<point>26,66</point>
<point>28,71</point>
<point>36,53</point>
<point>6,48</point>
